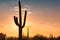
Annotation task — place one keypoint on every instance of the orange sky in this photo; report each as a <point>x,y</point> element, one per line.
<point>38,26</point>
<point>44,18</point>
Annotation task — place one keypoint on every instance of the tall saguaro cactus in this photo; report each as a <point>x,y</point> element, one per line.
<point>19,24</point>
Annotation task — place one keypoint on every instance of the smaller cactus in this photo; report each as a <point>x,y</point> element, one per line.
<point>27,33</point>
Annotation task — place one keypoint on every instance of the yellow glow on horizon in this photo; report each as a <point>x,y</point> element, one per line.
<point>38,26</point>
<point>34,29</point>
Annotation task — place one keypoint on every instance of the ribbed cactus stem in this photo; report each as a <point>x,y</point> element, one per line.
<point>19,24</point>
<point>24,19</point>
<point>28,33</point>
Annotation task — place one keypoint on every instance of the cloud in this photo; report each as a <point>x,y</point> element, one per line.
<point>16,9</point>
<point>3,25</point>
<point>26,6</point>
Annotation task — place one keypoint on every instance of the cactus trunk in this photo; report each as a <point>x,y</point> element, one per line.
<point>20,33</point>
<point>19,24</point>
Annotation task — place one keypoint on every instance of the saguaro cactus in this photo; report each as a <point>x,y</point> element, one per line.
<point>28,33</point>
<point>19,24</point>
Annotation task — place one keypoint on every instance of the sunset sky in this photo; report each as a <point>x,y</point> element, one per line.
<point>43,17</point>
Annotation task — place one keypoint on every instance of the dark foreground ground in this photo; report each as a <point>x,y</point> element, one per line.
<point>36,37</point>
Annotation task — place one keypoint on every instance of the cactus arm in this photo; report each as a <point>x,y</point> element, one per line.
<point>24,19</point>
<point>16,21</point>
<point>20,15</point>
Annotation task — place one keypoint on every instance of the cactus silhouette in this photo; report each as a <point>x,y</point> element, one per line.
<point>27,33</point>
<point>19,24</point>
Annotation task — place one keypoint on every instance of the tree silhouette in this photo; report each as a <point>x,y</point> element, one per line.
<point>58,38</point>
<point>51,37</point>
<point>12,38</point>
<point>36,37</point>
<point>39,37</point>
<point>2,36</point>
<point>20,21</point>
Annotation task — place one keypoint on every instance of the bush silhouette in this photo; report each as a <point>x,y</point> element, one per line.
<point>2,36</point>
<point>39,37</point>
<point>36,37</point>
<point>58,38</point>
